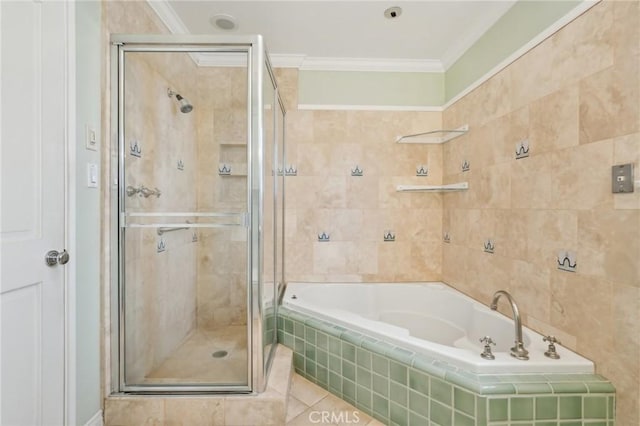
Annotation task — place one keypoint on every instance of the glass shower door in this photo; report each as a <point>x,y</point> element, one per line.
<point>184,225</point>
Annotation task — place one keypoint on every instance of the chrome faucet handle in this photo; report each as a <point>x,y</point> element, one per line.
<point>551,351</point>
<point>488,341</point>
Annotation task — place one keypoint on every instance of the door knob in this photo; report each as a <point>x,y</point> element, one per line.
<point>53,257</point>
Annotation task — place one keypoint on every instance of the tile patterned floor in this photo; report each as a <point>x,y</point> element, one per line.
<point>309,405</point>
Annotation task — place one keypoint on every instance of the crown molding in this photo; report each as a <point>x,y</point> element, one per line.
<point>168,16</point>
<point>334,107</point>
<point>370,64</point>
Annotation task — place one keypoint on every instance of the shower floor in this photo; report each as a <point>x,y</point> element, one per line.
<point>193,361</point>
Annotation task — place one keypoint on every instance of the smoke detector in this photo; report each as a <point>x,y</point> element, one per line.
<point>393,12</point>
<point>223,22</point>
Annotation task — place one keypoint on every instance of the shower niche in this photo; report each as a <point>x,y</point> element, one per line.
<point>198,214</point>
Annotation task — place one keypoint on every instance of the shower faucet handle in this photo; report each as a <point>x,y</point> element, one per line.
<point>488,341</point>
<point>551,351</point>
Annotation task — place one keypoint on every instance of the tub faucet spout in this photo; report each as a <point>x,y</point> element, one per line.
<point>518,351</point>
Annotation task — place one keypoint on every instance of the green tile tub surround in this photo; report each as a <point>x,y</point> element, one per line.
<point>397,386</point>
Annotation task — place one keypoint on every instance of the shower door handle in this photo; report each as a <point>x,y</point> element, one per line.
<point>53,257</point>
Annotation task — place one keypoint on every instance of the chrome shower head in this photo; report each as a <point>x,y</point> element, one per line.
<point>185,105</point>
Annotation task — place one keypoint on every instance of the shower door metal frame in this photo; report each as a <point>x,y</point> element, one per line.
<point>257,60</point>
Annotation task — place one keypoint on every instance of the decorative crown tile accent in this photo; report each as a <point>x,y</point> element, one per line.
<point>522,149</point>
<point>357,171</point>
<point>194,237</point>
<point>422,170</point>
<point>389,236</point>
<point>162,246</point>
<point>291,171</point>
<point>446,237</point>
<point>224,170</point>
<point>324,237</point>
<point>180,165</point>
<point>489,246</point>
<point>567,260</point>
<point>135,149</point>
<point>466,166</point>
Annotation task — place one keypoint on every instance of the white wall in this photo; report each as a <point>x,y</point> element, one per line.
<point>87,230</point>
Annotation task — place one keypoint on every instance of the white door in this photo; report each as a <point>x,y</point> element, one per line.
<point>33,131</point>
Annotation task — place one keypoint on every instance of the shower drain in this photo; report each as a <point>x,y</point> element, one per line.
<point>219,354</point>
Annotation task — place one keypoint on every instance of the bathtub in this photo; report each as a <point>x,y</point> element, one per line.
<point>432,319</point>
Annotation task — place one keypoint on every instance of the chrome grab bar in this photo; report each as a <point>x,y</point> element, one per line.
<point>165,229</point>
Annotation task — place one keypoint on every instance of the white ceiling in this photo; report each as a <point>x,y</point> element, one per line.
<point>429,35</point>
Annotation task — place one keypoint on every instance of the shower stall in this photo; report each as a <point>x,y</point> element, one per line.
<point>198,152</point>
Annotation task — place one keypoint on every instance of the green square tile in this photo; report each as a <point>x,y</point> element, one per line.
<point>440,414</point>
<point>335,364</point>
<point>349,389</point>
<point>322,358</point>
<point>398,372</point>
<point>335,383</point>
<point>363,396</point>
<point>288,340</point>
<point>352,337</point>
<point>460,419</point>
<point>418,403</point>
<point>348,352</point>
<point>380,406</point>
<point>595,423</point>
<point>321,340</point>
<point>381,385</point>
<point>298,329</point>
<point>570,407</point>
<point>521,408</point>
<point>546,408</point>
<point>481,410</point>
<point>310,368</point>
<point>298,361</point>
<point>595,407</point>
<point>363,377</point>
<point>441,391</point>
<point>417,420</point>
<point>310,335</point>
<point>288,326</point>
<point>349,370</point>
<point>398,393</point>
<point>363,358</point>
<point>464,401</point>
<point>334,346</point>
<point>298,345</point>
<point>498,409</point>
<point>546,423</point>
<point>611,408</point>
<point>310,351</point>
<point>419,381</point>
<point>322,374</point>
<point>398,413</point>
<point>380,365</point>
<point>570,423</point>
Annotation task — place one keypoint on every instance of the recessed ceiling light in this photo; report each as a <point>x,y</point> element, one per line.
<point>393,12</point>
<point>223,21</point>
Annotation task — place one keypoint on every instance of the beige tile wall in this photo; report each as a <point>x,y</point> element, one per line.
<point>576,98</point>
<point>221,111</point>
<point>324,146</point>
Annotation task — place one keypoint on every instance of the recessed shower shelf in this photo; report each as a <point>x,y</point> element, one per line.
<point>461,186</point>
<point>434,136</point>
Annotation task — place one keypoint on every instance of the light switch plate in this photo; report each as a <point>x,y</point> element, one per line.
<point>622,178</point>
<point>91,138</point>
<point>92,175</point>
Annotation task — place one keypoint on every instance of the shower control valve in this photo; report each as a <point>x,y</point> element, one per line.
<point>551,351</point>
<point>488,341</point>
